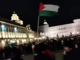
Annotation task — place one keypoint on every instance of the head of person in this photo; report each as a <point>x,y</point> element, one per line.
<point>77,44</point>
<point>39,48</point>
<point>68,39</point>
<point>68,47</point>
<point>72,38</point>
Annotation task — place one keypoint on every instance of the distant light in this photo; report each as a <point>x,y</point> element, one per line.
<point>12,41</point>
<point>41,33</point>
<point>35,38</point>
<point>77,32</point>
<point>39,38</point>
<point>73,33</point>
<point>44,37</point>
<point>51,36</point>
<point>30,39</point>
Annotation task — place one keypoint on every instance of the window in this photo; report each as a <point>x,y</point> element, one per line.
<point>15,29</point>
<point>62,28</point>
<point>3,27</point>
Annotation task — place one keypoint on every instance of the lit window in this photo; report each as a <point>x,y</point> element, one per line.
<point>3,28</point>
<point>15,29</point>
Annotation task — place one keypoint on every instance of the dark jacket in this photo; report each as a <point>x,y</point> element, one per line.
<point>72,55</point>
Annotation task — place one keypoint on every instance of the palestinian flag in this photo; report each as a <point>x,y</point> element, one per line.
<point>48,9</point>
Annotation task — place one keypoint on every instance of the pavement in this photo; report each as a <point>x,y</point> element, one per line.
<point>58,55</point>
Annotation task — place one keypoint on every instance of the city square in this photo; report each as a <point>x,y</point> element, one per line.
<point>40,30</point>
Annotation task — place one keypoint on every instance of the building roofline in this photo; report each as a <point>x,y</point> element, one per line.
<point>62,25</point>
<point>11,24</point>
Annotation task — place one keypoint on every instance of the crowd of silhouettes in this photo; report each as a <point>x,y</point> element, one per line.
<point>42,50</point>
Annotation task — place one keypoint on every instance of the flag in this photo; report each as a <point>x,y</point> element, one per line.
<point>48,10</point>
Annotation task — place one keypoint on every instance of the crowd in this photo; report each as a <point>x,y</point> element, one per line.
<point>42,49</point>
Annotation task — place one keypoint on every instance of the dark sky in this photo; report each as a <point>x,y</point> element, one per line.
<point>28,11</point>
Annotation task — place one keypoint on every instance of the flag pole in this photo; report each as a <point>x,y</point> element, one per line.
<point>40,9</point>
<point>38,27</point>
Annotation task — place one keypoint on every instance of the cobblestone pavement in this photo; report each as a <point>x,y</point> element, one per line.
<point>58,56</point>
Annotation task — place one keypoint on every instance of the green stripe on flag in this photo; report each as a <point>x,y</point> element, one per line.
<point>47,13</point>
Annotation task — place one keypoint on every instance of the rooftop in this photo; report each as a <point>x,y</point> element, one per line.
<point>9,21</point>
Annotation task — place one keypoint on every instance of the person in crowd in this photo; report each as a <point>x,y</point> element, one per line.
<point>7,52</point>
<point>71,51</point>
<point>42,53</point>
<point>33,46</point>
<point>16,54</point>
<point>77,50</point>
<point>29,48</point>
<point>1,53</point>
<point>68,52</point>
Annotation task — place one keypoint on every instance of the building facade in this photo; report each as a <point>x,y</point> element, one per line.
<point>60,30</point>
<point>31,34</point>
<point>15,18</point>
<point>14,33</point>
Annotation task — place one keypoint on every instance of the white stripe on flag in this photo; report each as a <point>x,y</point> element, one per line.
<point>51,7</point>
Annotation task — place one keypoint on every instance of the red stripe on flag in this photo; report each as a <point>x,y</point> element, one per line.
<point>41,7</point>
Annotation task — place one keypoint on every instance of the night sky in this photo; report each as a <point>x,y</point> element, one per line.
<point>28,11</point>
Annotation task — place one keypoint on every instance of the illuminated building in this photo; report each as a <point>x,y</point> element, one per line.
<point>60,30</point>
<point>15,18</point>
<point>13,31</point>
<point>31,34</point>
